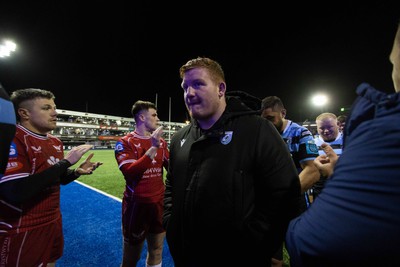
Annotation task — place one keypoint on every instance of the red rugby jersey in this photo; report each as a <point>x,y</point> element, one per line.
<point>144,177</point>
<point>31,153</point>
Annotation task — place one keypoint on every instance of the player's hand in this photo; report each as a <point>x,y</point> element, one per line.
<point>87,167</point>
<point>326,163</point>
<point>155,136</point>
<point>76,153</point>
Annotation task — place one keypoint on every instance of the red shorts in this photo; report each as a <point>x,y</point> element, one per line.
<point>35,247</point>
<point>139,218</point>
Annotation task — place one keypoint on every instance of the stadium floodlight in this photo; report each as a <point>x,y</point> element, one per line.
<point>6,48</point>
<point>319,100</point>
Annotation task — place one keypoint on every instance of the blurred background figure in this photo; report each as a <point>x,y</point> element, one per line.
<point>300,143</point>
<point>328,132</point>
<point>341,120</point>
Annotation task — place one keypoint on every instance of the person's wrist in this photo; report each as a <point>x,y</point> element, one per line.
<point>76,173</point>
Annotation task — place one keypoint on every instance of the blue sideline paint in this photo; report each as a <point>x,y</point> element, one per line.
<point>92,229</point>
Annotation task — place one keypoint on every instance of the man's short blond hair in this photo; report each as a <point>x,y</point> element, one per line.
<point>326,115</point>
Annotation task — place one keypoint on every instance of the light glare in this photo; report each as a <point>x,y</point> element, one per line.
<point>319,100</point>
<point>6,48</point>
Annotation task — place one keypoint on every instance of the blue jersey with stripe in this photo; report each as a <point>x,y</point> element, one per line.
<point>302,147</point>
<point>300,142</point>
<point>337,146</point>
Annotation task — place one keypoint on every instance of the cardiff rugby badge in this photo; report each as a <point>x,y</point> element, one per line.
<point>227,138</point>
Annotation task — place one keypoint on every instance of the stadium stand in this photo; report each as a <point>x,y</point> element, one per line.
<point>102,131</point>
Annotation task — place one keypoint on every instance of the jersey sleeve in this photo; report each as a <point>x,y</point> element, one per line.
<point>308,150</point>
<point>132,161</point>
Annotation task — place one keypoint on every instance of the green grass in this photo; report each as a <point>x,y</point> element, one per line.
<point>108,178</point>
<point>286,262</point>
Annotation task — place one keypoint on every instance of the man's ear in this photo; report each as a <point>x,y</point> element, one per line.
<point>142,117</point>
<point>23,113</point>
<point>283,111</point>
<point>222,89</point>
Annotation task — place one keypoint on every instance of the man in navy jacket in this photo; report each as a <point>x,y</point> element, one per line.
<point>355,221</point>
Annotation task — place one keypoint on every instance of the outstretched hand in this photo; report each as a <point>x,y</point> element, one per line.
<point>87,167</point>
<point>326,163</point>
<point>76,153</point>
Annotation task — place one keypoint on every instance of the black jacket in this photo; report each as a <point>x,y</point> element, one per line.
<point>230,191</point>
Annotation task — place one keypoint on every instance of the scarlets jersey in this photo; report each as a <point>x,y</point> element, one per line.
<point>143,176</point>
<point>300,142</point>
<point>31,153</point>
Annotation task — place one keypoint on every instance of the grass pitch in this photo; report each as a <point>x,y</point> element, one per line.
<point>107,178</point>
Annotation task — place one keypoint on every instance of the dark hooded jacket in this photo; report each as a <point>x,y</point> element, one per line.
<point>230,191</point>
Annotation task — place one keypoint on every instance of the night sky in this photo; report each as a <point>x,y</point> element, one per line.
<point>90,53</point>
